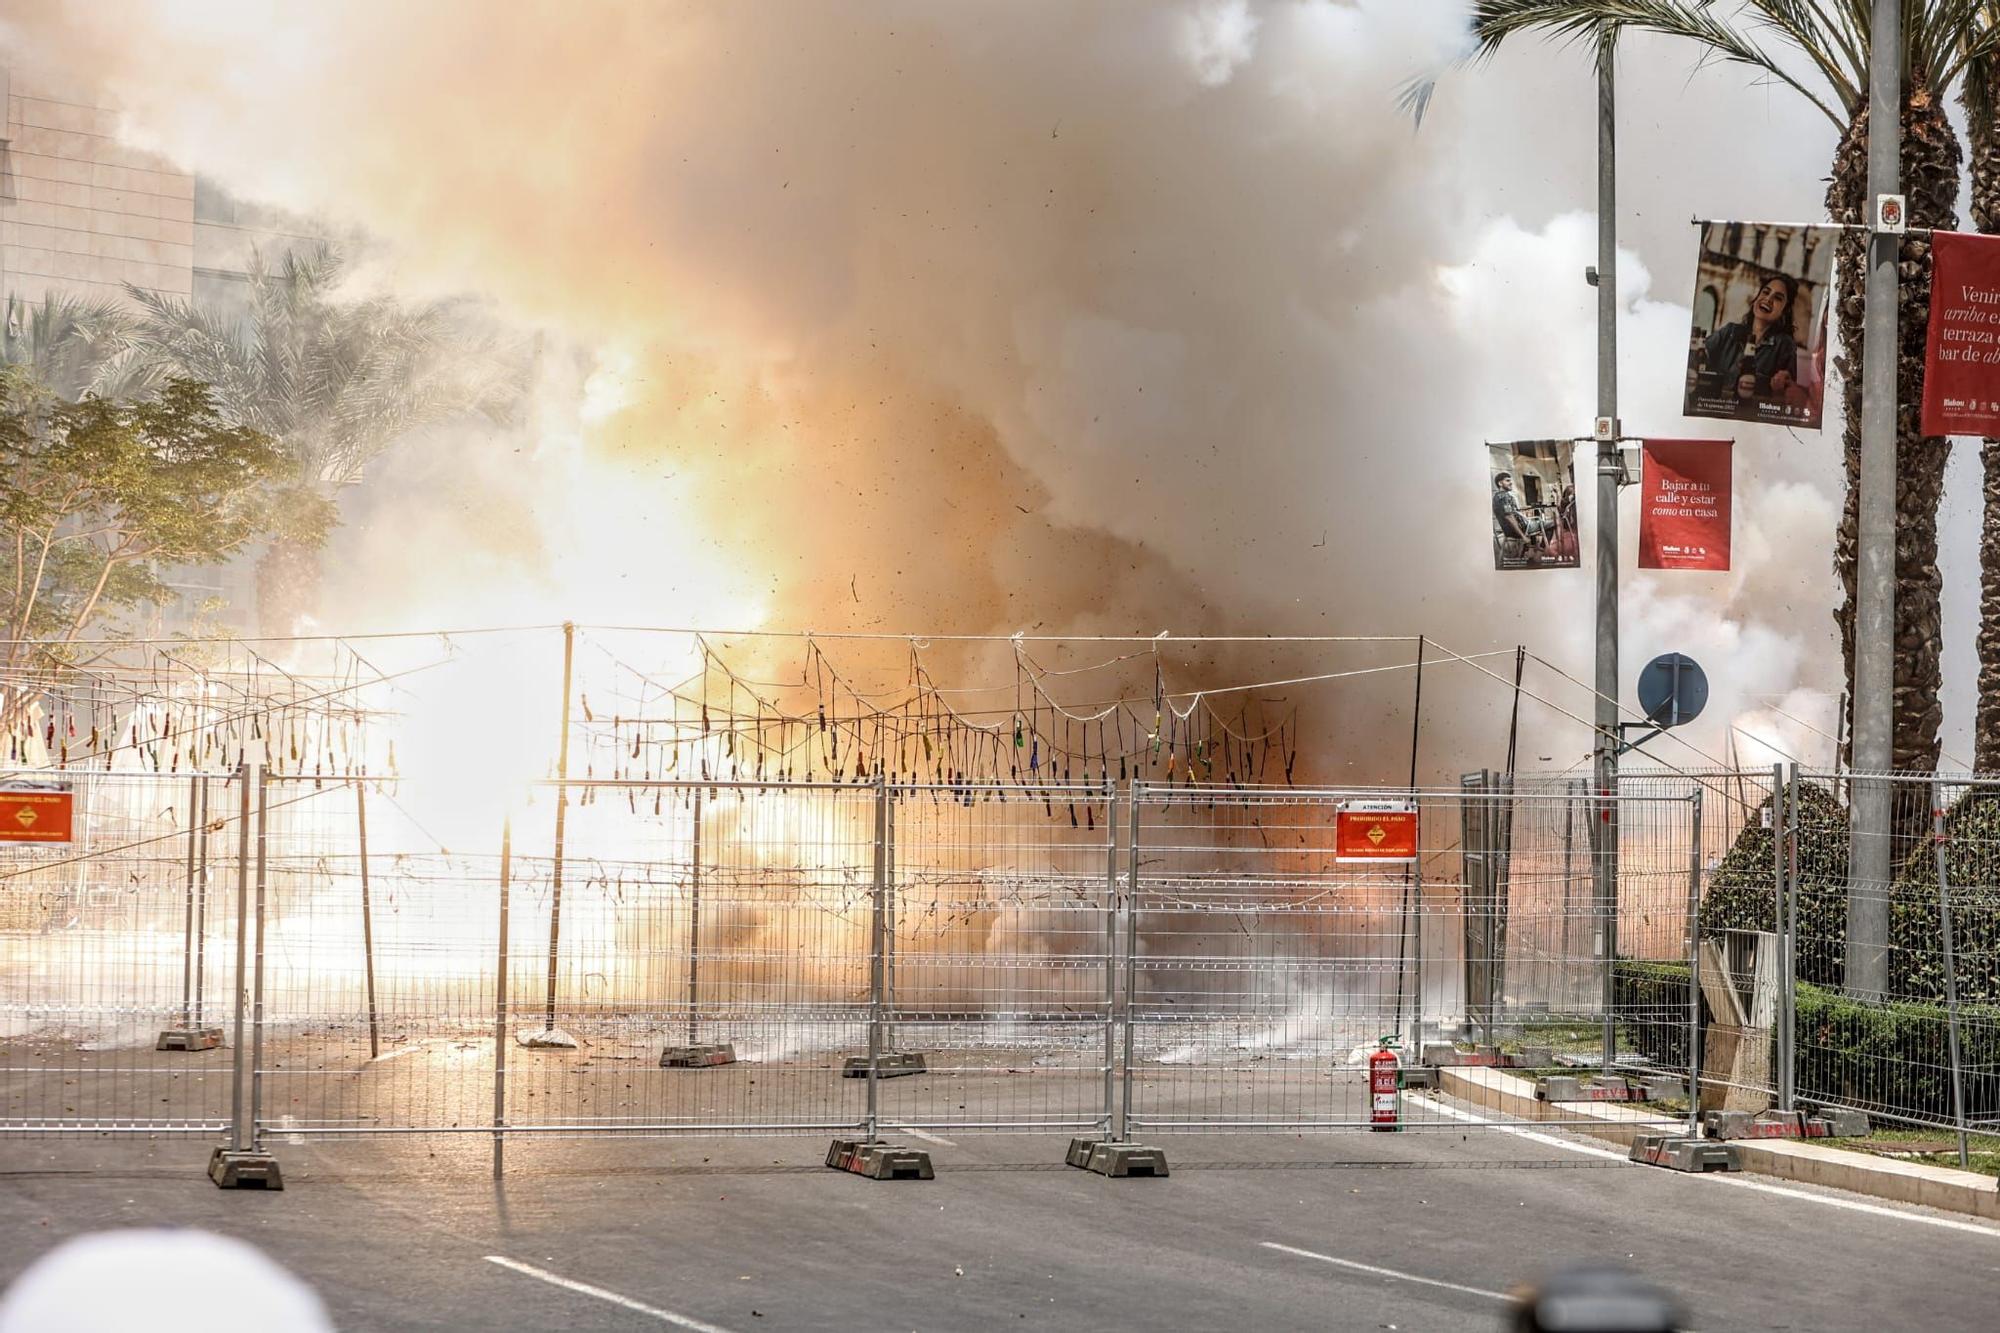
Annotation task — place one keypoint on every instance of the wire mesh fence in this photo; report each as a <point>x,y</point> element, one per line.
<point>117,946</point>
<point>662,957</point>
<point>1896,979</point>
<point>1266,960</point>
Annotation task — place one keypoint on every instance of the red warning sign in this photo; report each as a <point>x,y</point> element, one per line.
<point>35,814</point>
<point>1375,831</point>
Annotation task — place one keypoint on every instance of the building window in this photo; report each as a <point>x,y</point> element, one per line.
<point>212,203</point>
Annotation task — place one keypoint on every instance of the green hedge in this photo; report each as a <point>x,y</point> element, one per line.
<point>1740,896</point>
<point>1972,867</point>
<point>1645,995</point>
<point>1893,1058</point>
<point>1741,893</point>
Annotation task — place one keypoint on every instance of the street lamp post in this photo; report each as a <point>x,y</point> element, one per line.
<point>1875,562</point>
<point>1610,473</point>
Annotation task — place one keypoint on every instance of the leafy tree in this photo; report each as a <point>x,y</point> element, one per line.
<point>333,381</point>
<point>1820,50</point>
<point>99,495</point>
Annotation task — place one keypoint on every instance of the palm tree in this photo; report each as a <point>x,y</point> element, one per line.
<point>1980,94</point>
<point>336,382</point>
<point>1820,51</point>
<point>73,346</point>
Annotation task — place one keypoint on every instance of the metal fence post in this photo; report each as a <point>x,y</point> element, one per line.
<point>1605,870</point>
<point>187,937</point>
<point>1780,817</point>
<point>562,819</point>
<point>367,918</point>
<point>1788,940</point>
<point>1122,1129</point>
<point>1476,926</point>
<point>239,1083</point>
<point>1950,972</point>
<point>1416,886</point>
<point>1572,794</point>
<point>875,957</point>
<point>201,910</point>
<point>500,1002</point>
<point>1111,896</point>
<point>889,922</point>
<point>694,929</point>
<point>257,974</point>
<point>1694,959</point>
<point>1502,826</point>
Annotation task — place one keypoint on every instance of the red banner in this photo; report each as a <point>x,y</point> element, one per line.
<point>30,814</point>
<point>1962,362</point>
<point>1375,831</point>
<point>1684,505</point>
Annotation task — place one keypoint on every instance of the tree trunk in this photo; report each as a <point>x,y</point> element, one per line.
<point>1986,724</point>
<point>1930,180</point>
<point>288,583</point>
<point>1984,131</point>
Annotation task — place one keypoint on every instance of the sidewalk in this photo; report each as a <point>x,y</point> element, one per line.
<point>1941,1187</point>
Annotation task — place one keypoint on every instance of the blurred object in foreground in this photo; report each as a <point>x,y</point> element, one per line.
<point>112,1281</point>
<point>1592,1300</point>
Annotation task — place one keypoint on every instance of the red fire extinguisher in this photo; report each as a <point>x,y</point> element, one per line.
<point>1384,1073</point>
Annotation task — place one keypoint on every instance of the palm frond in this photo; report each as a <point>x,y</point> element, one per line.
<point>1493,21</point>
<point>1840,59</point>
<point>336,380</point>
<point>64,341</point>
<point>1960,34</point>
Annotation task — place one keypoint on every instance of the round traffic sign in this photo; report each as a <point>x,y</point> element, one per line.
<point>1672,689</point>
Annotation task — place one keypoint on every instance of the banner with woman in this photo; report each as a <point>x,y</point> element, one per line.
<point>1757,346</point>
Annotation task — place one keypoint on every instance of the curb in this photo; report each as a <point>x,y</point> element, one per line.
<point>1942,1187</point>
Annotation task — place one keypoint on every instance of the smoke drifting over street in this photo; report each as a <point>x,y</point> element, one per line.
<point>1111,318</point>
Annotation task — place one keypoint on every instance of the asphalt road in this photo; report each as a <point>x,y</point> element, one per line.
<point>1357,1231</point>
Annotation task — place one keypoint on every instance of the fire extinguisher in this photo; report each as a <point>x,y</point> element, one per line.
<point>1384,1074</point>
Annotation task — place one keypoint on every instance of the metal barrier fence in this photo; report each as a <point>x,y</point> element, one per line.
<point>1921,1045</point>
<point>1786,1022</point>
<point>656,957</point>
<point>128,933</point>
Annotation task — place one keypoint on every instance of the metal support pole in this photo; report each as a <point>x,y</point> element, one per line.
<point>1475,950</point>
<point>1875,564</point>
<point>187,934</point>
<point>257,976</point>
<point>1950,972</point>
<point>367,918</point>
<point>1784,815</point>
<point>562,818</point>
<point>1610,470</point>
<point>1417,711</point>
<point>1122,1131</point>
<point>1573,792</point>
<point>1694,960</point>
<point>201,910</point>
<point>1416,882</point>
<point>1402,949</point>
<point>500,1003</point>
<point>239,1052</point>
<point>694,929</point>
<point>875,924</point>
<point>889,926</point>
<point>1503,870</point>
<point>1111,897</point>
<point>1402,939</point>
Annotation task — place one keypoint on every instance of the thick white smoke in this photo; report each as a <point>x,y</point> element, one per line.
<point>1112,317</point>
